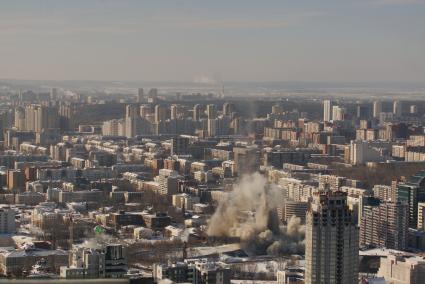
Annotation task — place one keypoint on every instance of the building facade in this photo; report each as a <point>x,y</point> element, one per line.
<point>331,241</point>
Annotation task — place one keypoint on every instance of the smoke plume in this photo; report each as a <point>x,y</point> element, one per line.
<point>98,241</point>
<point>249,213</point>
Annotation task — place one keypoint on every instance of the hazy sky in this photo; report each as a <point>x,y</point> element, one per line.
<point>261,40</point>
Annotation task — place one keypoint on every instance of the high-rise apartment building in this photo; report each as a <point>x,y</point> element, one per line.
<point>54,94</point>
<point>131,121</point>
<point>140,95</point>
<point>39,117</point>
<point>397,108</point>
<point>421,216</point>
<point>377,109</point>
<point>247,159</point>
<point>277,109</point>
<point>228,108</point>
<point>331,242</point>
<point>174,111</point>
<point>66,114</point>
<point>19,121</point>
<point>160,113</point>
<point>168,181</point>
<point>384,192</point>
<point>145,111</point>
<point>7,220</point>
<point>153,93</point>
<point>213,126</point>
<point>179,146</point>
<point>211,111</point>
<point>412,192</point>
<point>197,112</point>
<point>385,224</point>
<point>363,111</point>
<point>338,113</point>
<point>113,127</point>
<point>15,180</point>
<point>327,110</point>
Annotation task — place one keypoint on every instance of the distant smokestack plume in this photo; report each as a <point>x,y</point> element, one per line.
<point>249,212</point>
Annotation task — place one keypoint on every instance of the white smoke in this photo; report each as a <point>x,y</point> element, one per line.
<point>249,213</point>
<point>98,241</point>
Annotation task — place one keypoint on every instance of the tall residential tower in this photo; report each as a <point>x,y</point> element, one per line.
<point>327,110</point>
<point>332,241</point>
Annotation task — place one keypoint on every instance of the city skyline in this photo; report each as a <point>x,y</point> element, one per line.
<point>212,142</point>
